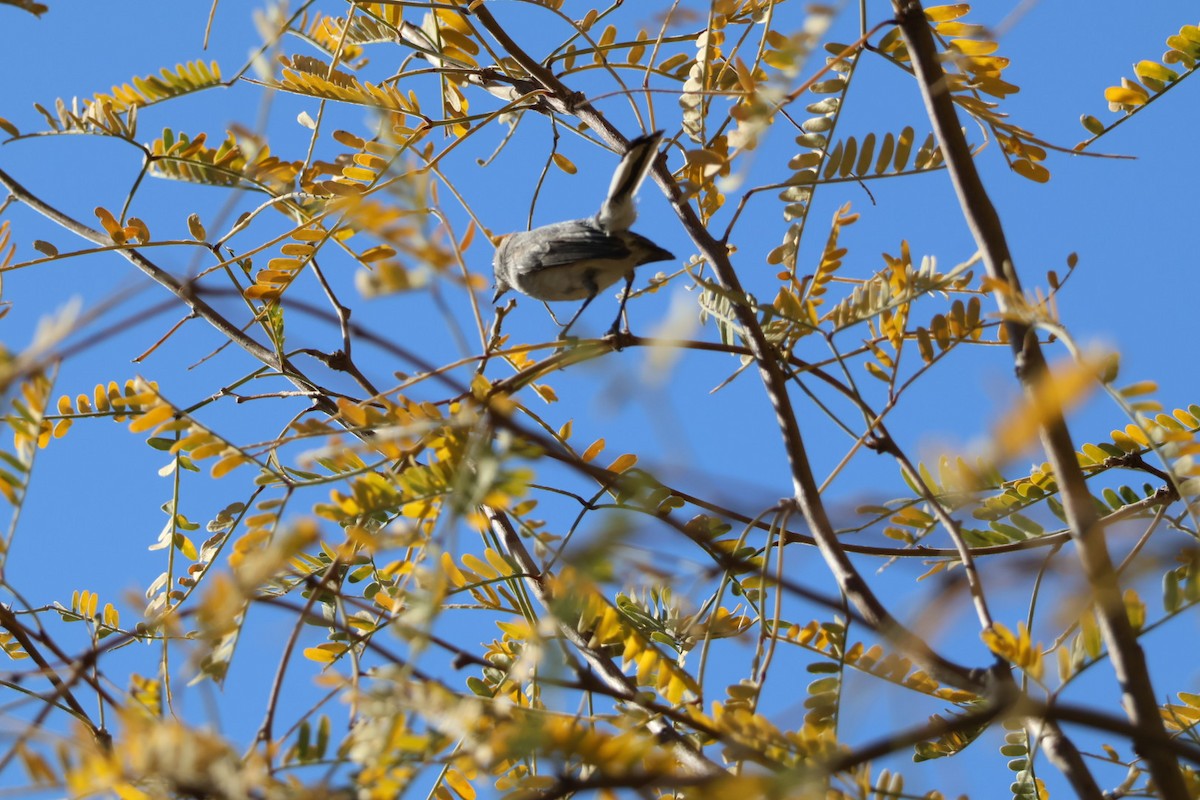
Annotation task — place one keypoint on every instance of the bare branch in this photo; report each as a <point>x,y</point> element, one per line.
<point>1087,531</point>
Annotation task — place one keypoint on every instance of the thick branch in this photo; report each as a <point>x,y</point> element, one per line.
<point>806,493</point>
<point>1087,531</point>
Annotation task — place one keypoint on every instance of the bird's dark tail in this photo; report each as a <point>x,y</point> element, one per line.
<point>619,212</point>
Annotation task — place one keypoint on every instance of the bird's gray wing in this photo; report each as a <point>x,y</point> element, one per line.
<point>566,243</point>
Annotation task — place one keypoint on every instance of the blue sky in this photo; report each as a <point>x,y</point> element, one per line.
<point>1128,220</point>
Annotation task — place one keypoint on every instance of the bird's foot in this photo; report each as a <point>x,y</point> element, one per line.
<point>565,342</point>
<point>618,338</point>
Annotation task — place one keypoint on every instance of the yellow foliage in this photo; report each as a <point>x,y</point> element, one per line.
<point>1058,390</point>
<point>1016,648</point>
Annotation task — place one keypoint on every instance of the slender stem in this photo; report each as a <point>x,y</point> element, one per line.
<point>605,669</point>
<point>8,622</point>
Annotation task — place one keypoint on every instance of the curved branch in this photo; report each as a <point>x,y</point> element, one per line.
<point>183,290</point>
<point>806,493</point>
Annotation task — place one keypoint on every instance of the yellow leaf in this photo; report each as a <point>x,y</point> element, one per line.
<point>518,631</point>
<point>110,224</point>
<point>185,546</point>
<point>1155,71</point>
<point>877,371</point>
<point>975,47</point>
<point>137,228</point>
<point>308,234</point>
<point>196,228</point>
<point>647,663</point>
<point>359,174</point>
<point>451,570</point>
<point>677,690</point>
<point>1028,169</point>
<point>745,76</point>
<point>282,266</point>
<point>377,253</point>
<point>480,567</point>
<point>947,12</point>
<point>1126,96</point>
<point>623,463</point>
<point>152,418</point>
<point>324,653</point>
<point>956,29</point>
<point>564,163</point>
<point>349,139</point>
<point>127,791</point>
<point>498,562</point>
<point>228,464</point>
<point>1139,388</point>
<point>592,451</point>
<point>1137,435</point>
<point>461,786</point>
<point>1089,632</point>
<point>1135,609</point>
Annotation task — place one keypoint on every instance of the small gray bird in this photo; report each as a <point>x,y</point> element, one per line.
<point>575,260</point>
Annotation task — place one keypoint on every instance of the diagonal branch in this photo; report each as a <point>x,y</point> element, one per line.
<point>806,495</point>
<point>1087,530</point>
<point>183,290</point>
<point>606,669</point>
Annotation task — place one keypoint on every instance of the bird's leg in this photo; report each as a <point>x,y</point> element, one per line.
<point>621,311</point>
<point>550,311</point>
<point>563,333</point>
<point>589,283</point>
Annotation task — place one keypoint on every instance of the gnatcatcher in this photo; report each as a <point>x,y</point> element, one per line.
<point>575,260</point>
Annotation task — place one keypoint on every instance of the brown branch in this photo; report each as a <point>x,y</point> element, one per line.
<point>1086,528</point>
<point>610,673</point>
<point>1162,497</point>
<point>1080,715</point>
<point>934,728</point>
<point>185,291</point>
<point>10,623</point>
<point>607,671</point>
<point>806,492</point>
<point>775,379</point>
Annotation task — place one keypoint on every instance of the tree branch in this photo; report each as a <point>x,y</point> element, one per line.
<point>1086,529</point>
<point>806,492</point>
<point>607,671</point>
<point>184,291</point>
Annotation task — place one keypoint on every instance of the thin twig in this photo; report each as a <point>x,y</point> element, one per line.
<point>621,686</point>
